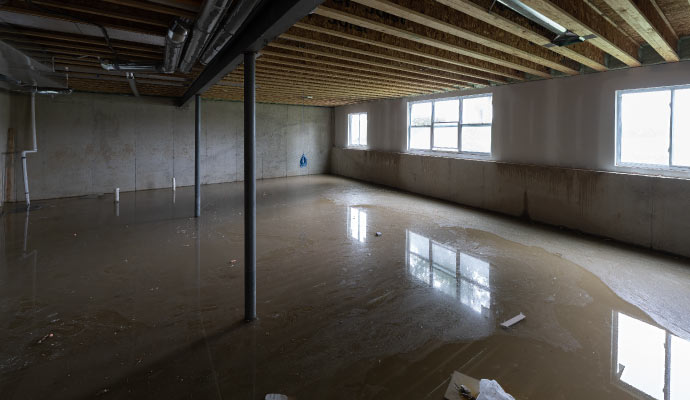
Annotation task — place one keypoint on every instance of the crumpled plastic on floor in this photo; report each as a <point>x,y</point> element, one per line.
<point>491,390</point>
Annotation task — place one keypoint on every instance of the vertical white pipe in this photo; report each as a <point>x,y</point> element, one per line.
<point>34,149</point>
<point>173,183</point>
<point>117,195</point>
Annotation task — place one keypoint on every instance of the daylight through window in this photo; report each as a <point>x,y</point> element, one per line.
<point>461,124</point>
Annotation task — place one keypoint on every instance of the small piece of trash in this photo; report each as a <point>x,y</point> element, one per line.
<point>75,235</point>
<point>43,339</point>
<point>513,320</point>
<point>379,234</point>
<point>275,396</point>
<point>491,390</point>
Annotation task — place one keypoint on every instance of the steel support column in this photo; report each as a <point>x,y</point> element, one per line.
<point>197,156</point>
<point>249,186</point>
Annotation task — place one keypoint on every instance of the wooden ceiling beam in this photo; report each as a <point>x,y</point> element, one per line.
<point>473,59</point>
<point>340,70</point>
<point>108,24</point>
<point>584,53</point>
<point>438,16</point>
<point>101,12</point>
<point>646,19</point>
<point>286,66</point>
<point>321,25</point>
<point>581,19</point>
<point>118,44</point>
<point>71,46</point>
<point>76,52</point>
<point>161,9</point>
<point>320,41</point>
<point>403,71</point>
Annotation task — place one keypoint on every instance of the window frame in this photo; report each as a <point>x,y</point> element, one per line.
<point>349,129</point>
<point>619,132</point>
<point>431,150</point>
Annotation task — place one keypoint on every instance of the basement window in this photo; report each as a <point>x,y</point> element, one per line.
<point>459,124</point>
<point>357,129</point>
<point>653,128</point>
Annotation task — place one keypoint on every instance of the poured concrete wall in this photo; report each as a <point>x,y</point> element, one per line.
<point>92,143</point>
<point>553,159</point>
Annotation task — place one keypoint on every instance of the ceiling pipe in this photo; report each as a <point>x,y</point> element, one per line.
<point>174,42</point>
<point>234,20</point>
<point>130,67</point>
<point>211,13</point>
<point>132,83</point>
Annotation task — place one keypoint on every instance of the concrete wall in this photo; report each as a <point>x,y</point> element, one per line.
<point>90,143</point>
<point>4,126</point>
<point>553,159</point>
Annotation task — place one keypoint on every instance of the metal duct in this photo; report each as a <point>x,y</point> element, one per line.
<point>211,13</point>
<point>174,42</point>
<point>237,16</point>
<point>130,67</point>
<point>49,90</point>
<point>132,83</point>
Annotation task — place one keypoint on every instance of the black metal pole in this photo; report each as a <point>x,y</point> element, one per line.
<point>197,156</point>
<point>249,186</point>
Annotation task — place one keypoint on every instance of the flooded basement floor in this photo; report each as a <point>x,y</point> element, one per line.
<point>142,301</point>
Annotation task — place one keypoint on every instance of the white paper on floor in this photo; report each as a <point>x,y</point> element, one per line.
<point>491,390</point>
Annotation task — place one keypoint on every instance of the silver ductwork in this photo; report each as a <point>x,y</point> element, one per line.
<point>51,91</point>
<point>234,20</point>
<point>129,67</point>
<point>174,42</point>
<point>211,13</point>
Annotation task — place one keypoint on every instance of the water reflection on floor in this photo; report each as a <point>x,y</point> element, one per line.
<point>142,301</point>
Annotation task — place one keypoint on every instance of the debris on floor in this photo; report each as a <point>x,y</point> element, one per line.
<point>491,390</point>
<point>43,339</point>
<point>461,387</point>
<point>513,321</point>
<point>275,396</point>
<point>379,234</point>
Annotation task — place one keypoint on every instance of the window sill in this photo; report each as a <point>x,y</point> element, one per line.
<point>451,154</point>
<point>357,147</point>
<point>652,167</point>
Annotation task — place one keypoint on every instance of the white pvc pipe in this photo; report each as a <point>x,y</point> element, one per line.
<point>34,149</point>
<point>173,183</point>
<point>117,195</point>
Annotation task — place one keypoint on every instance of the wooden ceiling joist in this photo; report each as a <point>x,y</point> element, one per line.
<point>438,16</point>
<point>56,45</point>
<point>148,6</point>
<point>472,59</point>
<point>584,53</point>
<point>131,17</point>
<point>645,18</point>
<point>343,71</point>
<point>380,40</point>
<point>308,37</point>
<point>392,69</point>
<point>581,19</point>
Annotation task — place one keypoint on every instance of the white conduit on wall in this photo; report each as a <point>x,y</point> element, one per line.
<point>34,148</point>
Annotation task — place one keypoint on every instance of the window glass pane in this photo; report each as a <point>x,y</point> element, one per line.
<point>420,138</point>
<point>420,114</point>
<point>476,139</point>
<point>446,136</point>
<point>641,356</point>
<point>363,129</point>
<point>681,128</point>
<point>645,127</point>
<point>354,129</point>
<point>680,368</point>
<point>477,110</point>
<point>447,111</point>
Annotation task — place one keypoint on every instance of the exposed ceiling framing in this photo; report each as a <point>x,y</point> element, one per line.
<point>348,51</point>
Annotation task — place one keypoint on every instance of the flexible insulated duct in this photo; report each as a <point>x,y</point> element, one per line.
<point>234,20</point>
<point>174,42</point>
<point>211,13</point>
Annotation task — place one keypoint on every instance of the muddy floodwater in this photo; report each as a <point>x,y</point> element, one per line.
<point>140,300</point>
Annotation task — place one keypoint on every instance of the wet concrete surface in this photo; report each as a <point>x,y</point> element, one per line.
<point>142,301</point>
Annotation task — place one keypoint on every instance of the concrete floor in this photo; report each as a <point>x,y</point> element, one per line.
<point>145,302</point>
